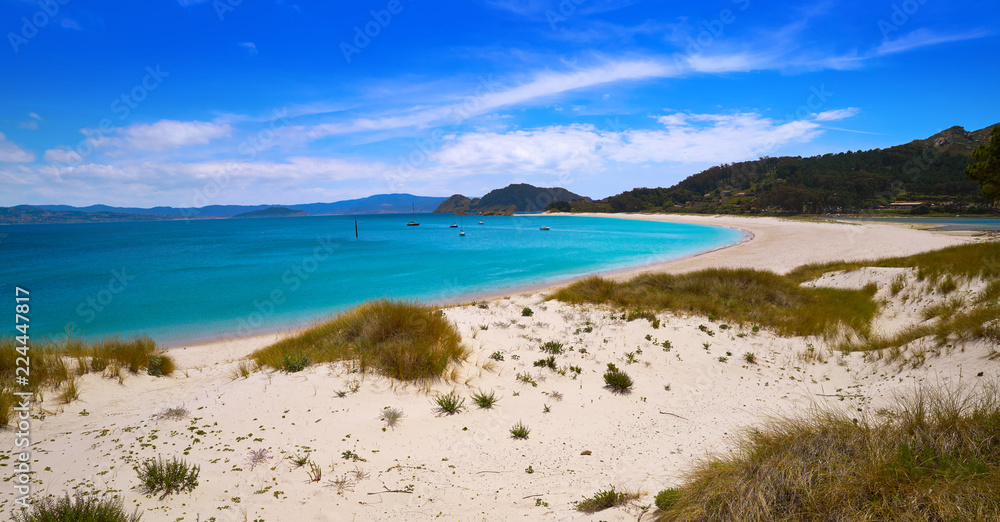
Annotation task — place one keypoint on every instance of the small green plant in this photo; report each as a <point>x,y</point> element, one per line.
<point>649,337</point>
<point>173,476</point>
<point>299,460</point>
<point>483,305</point>
<point>315,472</point>
<point>496,356</point>
<point>706,346</point>
<point>630,358</point>
<point>484,400</point>
<point>667,345</point>
<point>80,508</point>
<point>527,379</point>
<point>546,408</point>
<point>750,358</point>
<point>605,499</point>
<point>519,431</point>
<point>350,455</point>
<point>553,347</point>
<point>723,359</point>
<point>667,498</point>
<point>391,416</point>
<point>588,329</point>
<point>576,369</point>
<point>449,403</point>
<point>548,362</point>
<point>294,364</point>
<point>159,365</point>
<point>755,329</point>
<point>616,380</point>
<point>529,470</point>
<point>526,312</point>
<point>541,503</point>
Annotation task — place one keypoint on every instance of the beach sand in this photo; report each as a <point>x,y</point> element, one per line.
<point>686,404</point>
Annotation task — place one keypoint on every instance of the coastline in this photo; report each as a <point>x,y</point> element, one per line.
<point>865,238</point>
<point>695,388</point>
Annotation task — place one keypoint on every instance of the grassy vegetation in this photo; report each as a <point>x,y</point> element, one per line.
<point>449,403</point>
<point>56,365</point>
<point>485,400</point>
<point>762,298</point>
<point>173,476</point>
<point>617,381</point>
<point>736,295</point>
<point>519,431</point>
<point>401,340</point>
<point>81,508</point>
<point>934,456</point>
<point>605,499</point>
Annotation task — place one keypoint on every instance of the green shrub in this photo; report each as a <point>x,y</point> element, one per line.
<point>526,312</point>
<point>667,498</point>
<point>605,499</point>
<point>519,431</point>
<point>294,364</point>
<point>160,365</point>
<point>616,380</point>
<point>548,362</point>
<point>450,403</point>
<point>401,340</point>
<point>483,400</point>
<point>174,476</point>
<point>80,508</point>
<point>496,356</point>
<point>553,348</point>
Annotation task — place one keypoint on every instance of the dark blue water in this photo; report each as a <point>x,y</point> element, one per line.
<point>185,280</point>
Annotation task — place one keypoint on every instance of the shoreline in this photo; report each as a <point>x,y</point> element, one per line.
<point>464,299</point>
<point>762,234</point>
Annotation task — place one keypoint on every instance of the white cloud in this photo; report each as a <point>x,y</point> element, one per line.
<point>11,152</point>
<point>923,38</point>
<point>550,149</point>
<point>28,124</point>
<point>172,134</point>
<point>250,47</point>
<point>837,114</point>
<point>685,139</point>
<point>62,156</point>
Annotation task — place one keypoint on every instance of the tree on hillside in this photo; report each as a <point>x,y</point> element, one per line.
<point>987,170</point>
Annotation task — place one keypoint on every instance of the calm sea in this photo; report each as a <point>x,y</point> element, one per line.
<point>187,280</point>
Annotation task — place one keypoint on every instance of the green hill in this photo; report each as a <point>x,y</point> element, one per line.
<point>272,212</point>
<point>931,170</point>
<point>519,197</point>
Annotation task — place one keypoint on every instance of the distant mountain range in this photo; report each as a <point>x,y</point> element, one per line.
<point>379,204</point>
<point>930,171</point>
<point>272,212</point>
<point>519,197</point>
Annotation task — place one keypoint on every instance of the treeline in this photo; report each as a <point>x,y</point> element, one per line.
<point>931,170</point>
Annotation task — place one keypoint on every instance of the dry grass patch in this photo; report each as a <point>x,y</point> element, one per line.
<point>934,456</point>
<point>401,340</point>
<point>735,295</point>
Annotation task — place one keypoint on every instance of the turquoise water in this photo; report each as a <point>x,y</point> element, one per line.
<point>185,280</point>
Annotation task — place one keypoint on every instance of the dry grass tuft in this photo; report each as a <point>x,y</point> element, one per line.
<point>935,456</point>
<point>401,340</point>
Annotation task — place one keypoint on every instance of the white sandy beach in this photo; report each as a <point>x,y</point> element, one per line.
<point>686,404</point>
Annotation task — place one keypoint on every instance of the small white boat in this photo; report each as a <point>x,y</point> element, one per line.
<point>461,233</point>
<point>544,228</point>
<point>452,226</point>
<point>480,222</point>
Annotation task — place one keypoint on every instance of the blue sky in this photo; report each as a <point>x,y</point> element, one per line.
<point>195,102</point>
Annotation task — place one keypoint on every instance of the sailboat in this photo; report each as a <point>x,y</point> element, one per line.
<point>413,222</point>
<point>461,231</point>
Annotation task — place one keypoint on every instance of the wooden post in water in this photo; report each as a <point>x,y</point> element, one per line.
<point>355,228</point>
